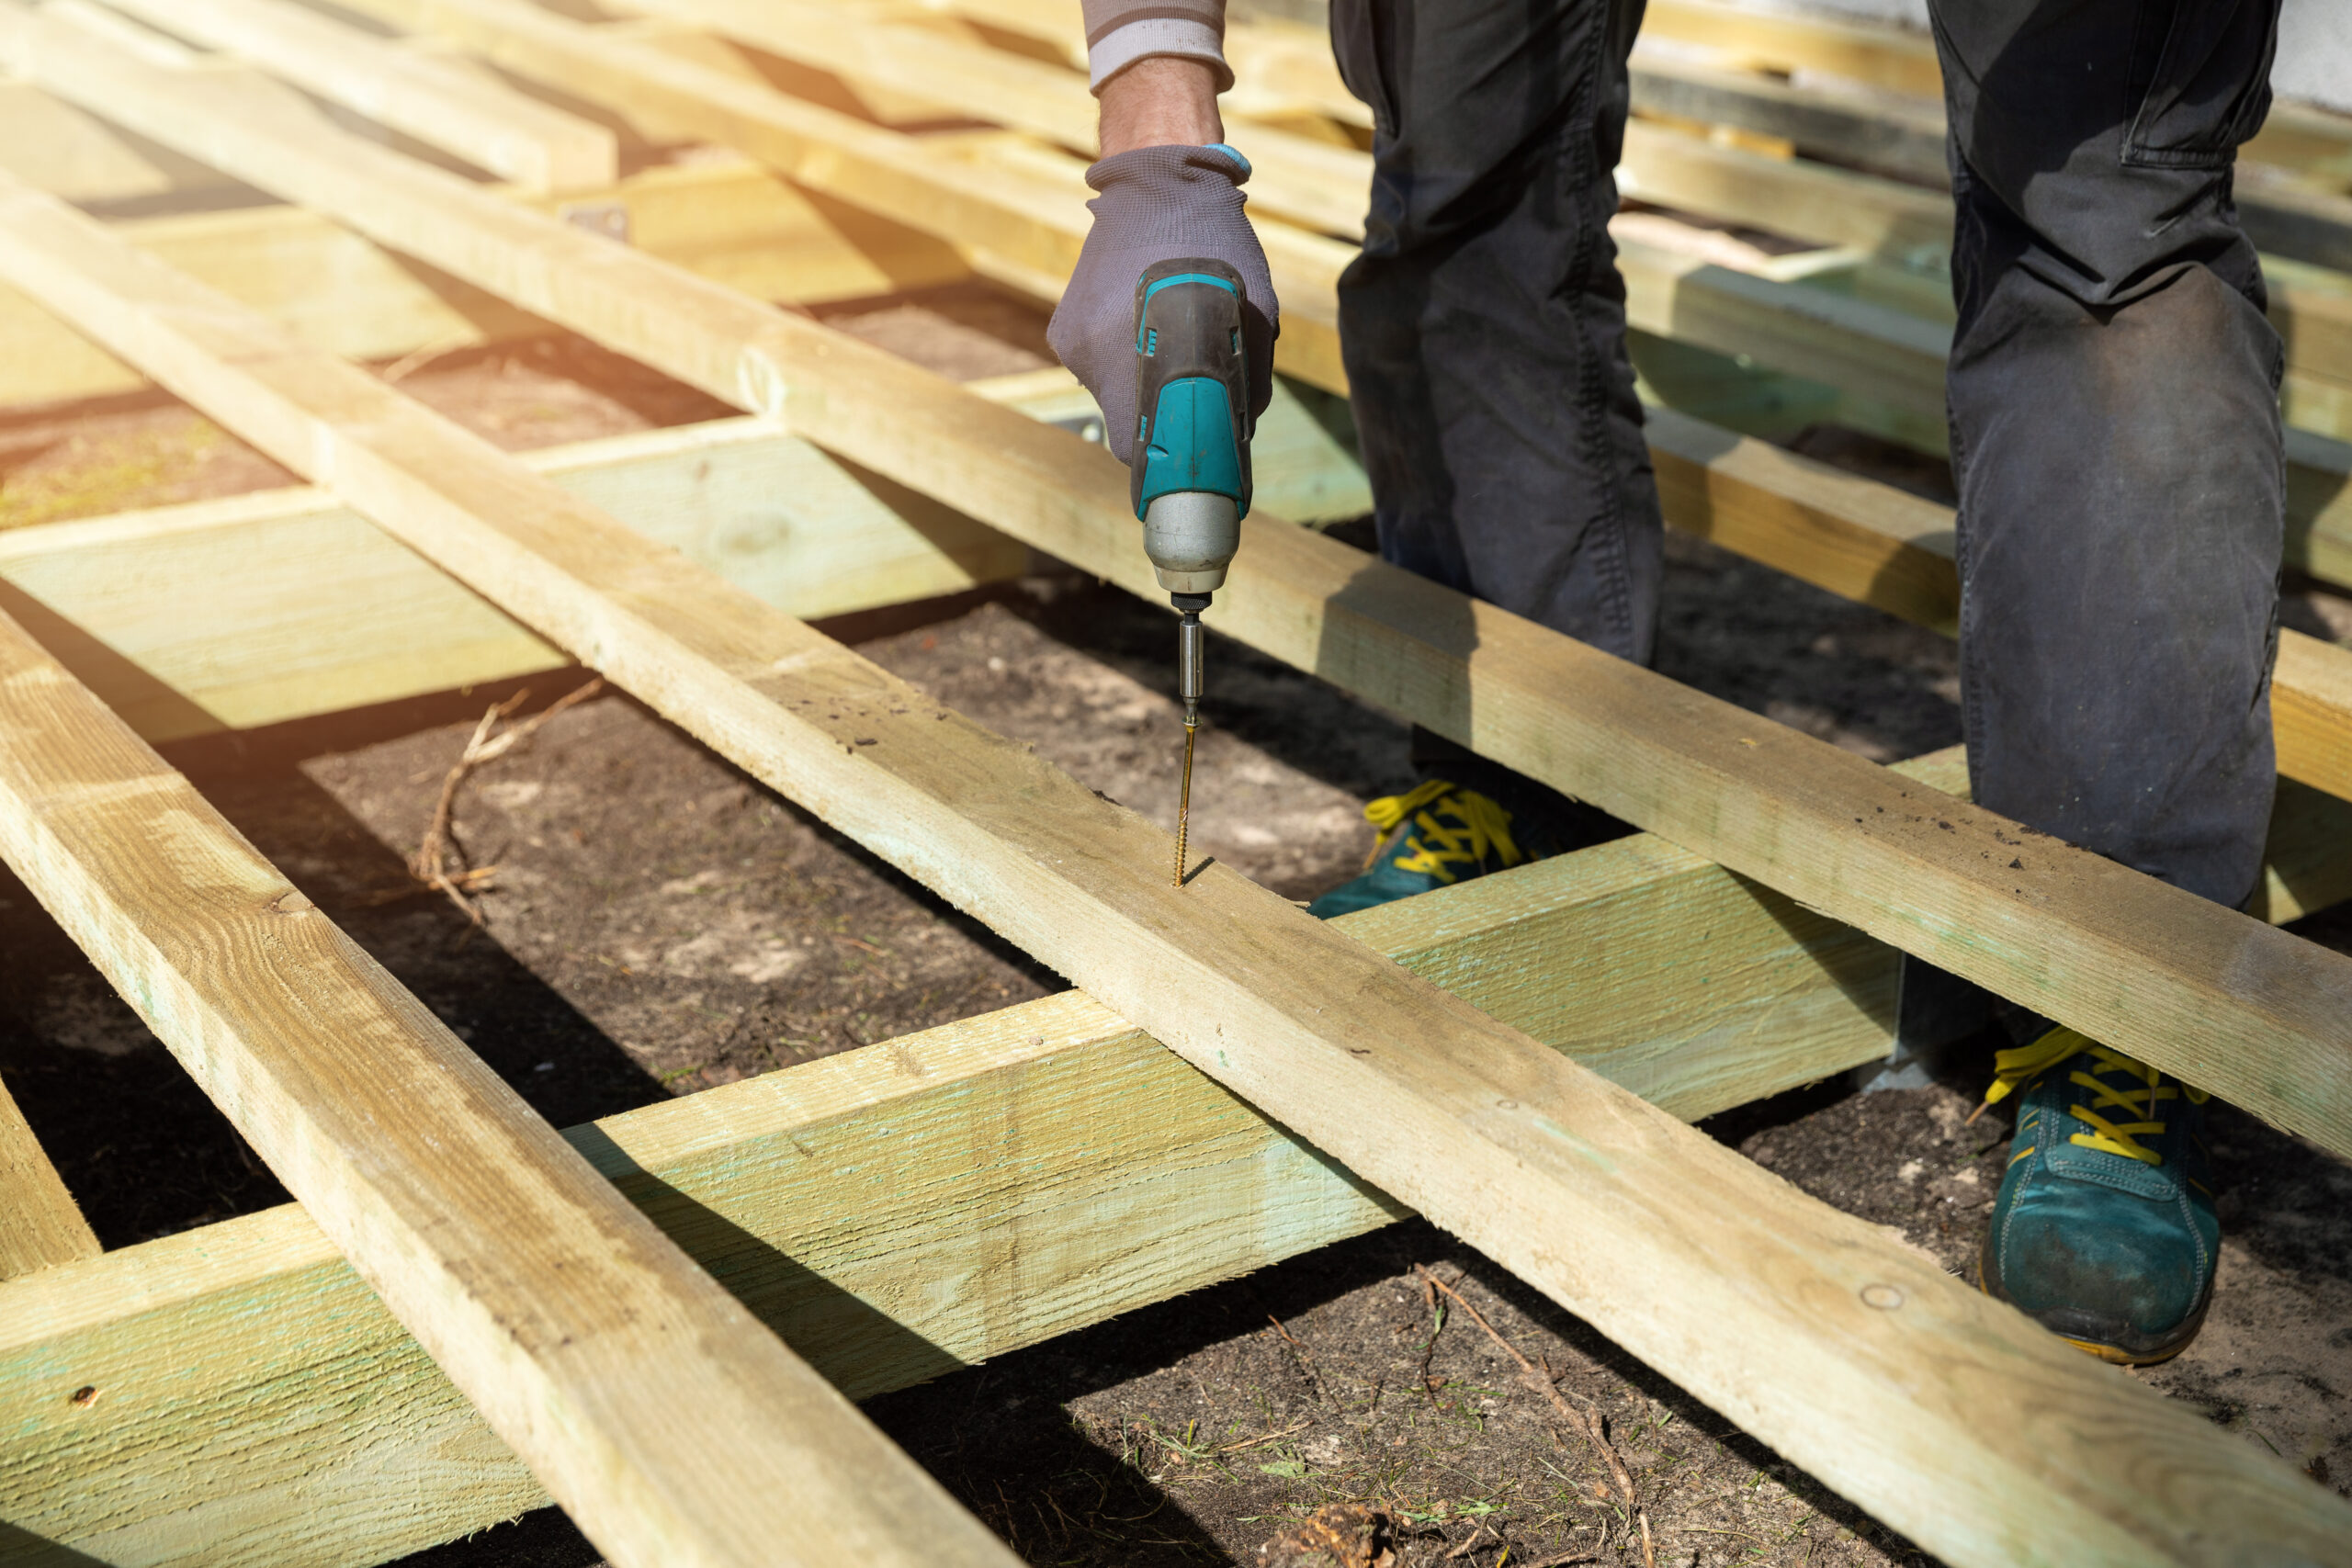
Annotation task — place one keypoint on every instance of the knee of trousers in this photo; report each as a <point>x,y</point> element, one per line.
<point>2122,506</point>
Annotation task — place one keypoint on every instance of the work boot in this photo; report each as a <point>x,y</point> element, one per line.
<point>1431,835</point>
<point>2103,1230</point>
<point>1470,817</point>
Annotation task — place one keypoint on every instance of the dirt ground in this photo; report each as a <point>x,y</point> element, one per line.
<point>659,924</point>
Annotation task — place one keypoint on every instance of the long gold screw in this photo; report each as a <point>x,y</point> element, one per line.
<point>1185,805</point>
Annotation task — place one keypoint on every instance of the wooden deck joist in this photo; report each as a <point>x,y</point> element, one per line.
<point>1766,1305</point>
<point>884,1175</point>
<point>1878,351</point>
<point>1887,355</point>
<point>2147,968</point>
<point>670,1426</point>
<point>470,116</point>
<point>40,1226</point>
<point>730,220</point>
<point>1781,194</point>
<point>313,610</point>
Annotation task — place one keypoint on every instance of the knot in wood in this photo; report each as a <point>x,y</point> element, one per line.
<point>1887,1298</point>
<point>292,904</point>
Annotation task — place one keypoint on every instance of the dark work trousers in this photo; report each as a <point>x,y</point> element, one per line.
<point>2113,387</point>
<point>1484,325</point>
<point>2114,427</point>
<point>1483,332</point>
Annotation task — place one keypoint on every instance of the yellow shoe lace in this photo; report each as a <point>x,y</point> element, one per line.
<point>2137,1097</point>
<point>1433,848</point>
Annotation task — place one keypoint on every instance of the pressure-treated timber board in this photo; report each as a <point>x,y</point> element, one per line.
<point>40,1226</point>
<point>79,156</point>
<point>670,1425</point>
<point>944,1197</point>
<point>1481,1127</point>
<point>891,1177</point>
<point>476,117</point>
<point>2150,969</point>
<point>727,220</point>
<point>311,609</point>
<point>1325,187</point>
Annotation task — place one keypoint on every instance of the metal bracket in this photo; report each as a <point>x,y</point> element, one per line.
<point>1934,1010</point>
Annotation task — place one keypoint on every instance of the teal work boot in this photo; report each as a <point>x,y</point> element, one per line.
<point>2104,1230</point>
<point>1431,835</point>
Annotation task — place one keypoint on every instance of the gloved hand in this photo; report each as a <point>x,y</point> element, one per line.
<point>1158,203</point>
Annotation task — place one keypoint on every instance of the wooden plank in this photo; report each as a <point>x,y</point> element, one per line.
<point>2145,966</point>
<point>727,220</point>
<point>1879,546</point>
<point>475,118</point>
<point>1324,187</point>
<point>313,610</point>
<point>80,157</point>
<point>2294,136</point>
<point>885,1175</point>
<point>669,1424</point>
<point>1893,58</point>
<point>1673,1245</point>
<point>888,1177</point>
<point>40,1226</point>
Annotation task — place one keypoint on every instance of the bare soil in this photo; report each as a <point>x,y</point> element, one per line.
<point>659,923</point>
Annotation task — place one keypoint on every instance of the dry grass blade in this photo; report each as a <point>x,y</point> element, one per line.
<point>440,860</point>
<point>1586,1422</point>
<point>1305,1358</point>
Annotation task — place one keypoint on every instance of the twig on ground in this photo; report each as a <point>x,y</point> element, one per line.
<point>1463,1549</point>
<point>1586,1422</point>
<point>1305,1358</point>
<point>440,860</point>
<point>1261,1438</point>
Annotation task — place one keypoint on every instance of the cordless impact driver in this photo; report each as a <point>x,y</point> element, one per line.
<point>1191,478</point>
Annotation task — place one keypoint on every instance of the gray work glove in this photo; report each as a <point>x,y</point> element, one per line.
<point>1157,204</point>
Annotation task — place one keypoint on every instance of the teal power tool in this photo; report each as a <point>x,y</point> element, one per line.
<point>1190,483</point>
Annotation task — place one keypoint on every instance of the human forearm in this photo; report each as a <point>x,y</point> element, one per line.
<point>1157,66</point>
<point>1161,101</point>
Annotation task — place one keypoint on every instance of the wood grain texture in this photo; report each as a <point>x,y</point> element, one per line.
<point>1127,1177</point>
<point>40,1226</point>
<point>2205,993</point>
<point>670,1425</point>
<point>1324,187</point>
<point>731,221</point>
<point>477,118</point>
<point>1892,58</point>
<point>314,610</point>
<point>942,1198</point>
<point>1754,1297</point>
